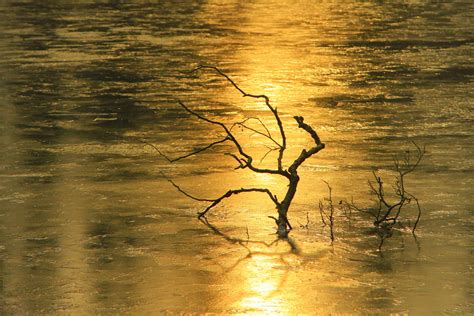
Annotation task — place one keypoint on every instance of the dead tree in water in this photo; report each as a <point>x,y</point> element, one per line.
<point>246,161</point>
<point>386,214</point>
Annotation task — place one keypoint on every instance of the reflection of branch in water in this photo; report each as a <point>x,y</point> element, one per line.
<point>294,250</point>
<point>233,240</point>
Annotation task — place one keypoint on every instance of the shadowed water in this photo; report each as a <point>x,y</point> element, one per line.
<point>88,225</point>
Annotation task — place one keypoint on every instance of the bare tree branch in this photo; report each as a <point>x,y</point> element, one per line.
<point>234,192</point>
<point>242,162</point>
<point>215,202</point>
<point>189,154</point>
<point>419,212</point>
<point>322,212</point>
<point>305,154</point>
<point>184,192</point>
<point>388,213</point>
<point>266,135</point>
<point>232,138</point>
<point>245,160</point>
<point>307,128</point>
<point>268,152</point>
<point>158,151</point>
<point>267,102</point>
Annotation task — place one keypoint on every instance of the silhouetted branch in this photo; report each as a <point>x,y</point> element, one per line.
<point>327,211</point>
<point>232,138</point>
<point>266,135</point>
<point>321,212</point>
<point>305,154</point>
<point>267,102</point>
<point>419,212</point>
<point>245,160</point>
<point>403,168</point>
<point>215,202</point>
<point>158,151</point>
<point>234,192</point>
<point>189,154</point>
<point>184,192</point>
<point>268,152</point>
<point>388,213</point>
<point>242,162</point>
<point>307,128</point>
<point>305,226</point>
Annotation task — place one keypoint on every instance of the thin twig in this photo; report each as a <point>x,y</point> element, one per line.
<point>330,208</point>
<point>268,152</point>
<point>189,154</point>
<point>184,192</point>
<point>419,212</point>
<point>266,135</point>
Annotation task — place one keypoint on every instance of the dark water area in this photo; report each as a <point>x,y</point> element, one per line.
<point>88,224</point>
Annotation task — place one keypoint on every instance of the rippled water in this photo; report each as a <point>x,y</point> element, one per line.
<point>88,224</point>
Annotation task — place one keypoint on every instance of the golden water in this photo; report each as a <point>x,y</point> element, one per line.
<point>89,226</point>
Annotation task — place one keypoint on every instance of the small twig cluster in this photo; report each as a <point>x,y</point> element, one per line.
<point>386,214</point>
<point>326,210</point>
<point>305,226</point>
<point>347,208</point>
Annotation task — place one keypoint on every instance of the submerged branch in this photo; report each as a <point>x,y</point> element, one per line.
<point>388,213</point>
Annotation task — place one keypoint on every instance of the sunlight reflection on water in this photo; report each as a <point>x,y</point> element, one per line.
<point>88,225</point>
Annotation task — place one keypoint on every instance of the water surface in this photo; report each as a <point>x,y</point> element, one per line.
<point>88,225</point>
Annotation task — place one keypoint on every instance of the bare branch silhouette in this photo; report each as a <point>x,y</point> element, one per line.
<point>267,102</point>
<point>234,192</point>
<point>327,211</point>
<point>246,161</point>
<point>387,213</point>
<point>267,133</point>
